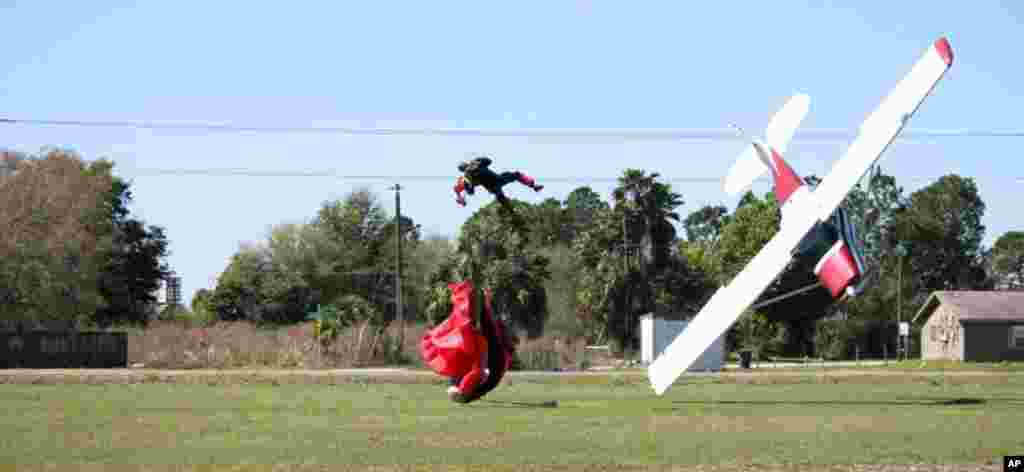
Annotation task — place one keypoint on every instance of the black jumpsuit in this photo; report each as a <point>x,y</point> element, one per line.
<point>478,172</point>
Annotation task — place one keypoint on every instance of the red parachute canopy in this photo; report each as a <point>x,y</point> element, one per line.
<point>454,347</point>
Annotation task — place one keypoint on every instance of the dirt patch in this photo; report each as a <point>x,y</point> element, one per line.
<point>149,432</point>
<point>134,432</point>
<point>459,441</point>
<point>706,423</point>
<point>374,425</point>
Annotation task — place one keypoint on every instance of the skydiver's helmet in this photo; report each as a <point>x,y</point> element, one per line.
<point>463,166</point>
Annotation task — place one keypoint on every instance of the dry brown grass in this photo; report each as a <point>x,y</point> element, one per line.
<point>232,345</point>
<point>564,353</point>
<point>180,344</point>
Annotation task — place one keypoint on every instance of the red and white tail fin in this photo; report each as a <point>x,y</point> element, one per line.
<point>751,165</point>
<point>785,181</point>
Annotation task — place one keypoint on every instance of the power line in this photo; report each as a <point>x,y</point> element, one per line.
<point>427,178</point>
<point>389,178</point>
<point>629,133</point>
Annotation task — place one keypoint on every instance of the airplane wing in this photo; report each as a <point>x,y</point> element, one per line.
<point>882,127</point>
<point>728,303</point>
<point>726,306</point>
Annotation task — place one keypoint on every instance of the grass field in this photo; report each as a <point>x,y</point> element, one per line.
<point>911,365</point>
<point>601,420</point>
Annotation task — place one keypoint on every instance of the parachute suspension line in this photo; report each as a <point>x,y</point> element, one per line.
<point>786,295</point>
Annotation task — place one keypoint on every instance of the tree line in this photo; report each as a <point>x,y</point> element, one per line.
<point>589,267</point>
<point>583,266</point>
<point>70,250</point>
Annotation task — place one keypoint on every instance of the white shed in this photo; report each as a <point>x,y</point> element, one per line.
<point>657,333</point>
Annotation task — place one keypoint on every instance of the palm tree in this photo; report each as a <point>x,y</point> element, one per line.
<point>655,203</point>
<point>647,205</point>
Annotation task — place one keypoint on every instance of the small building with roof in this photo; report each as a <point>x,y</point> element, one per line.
<point>979,326</point>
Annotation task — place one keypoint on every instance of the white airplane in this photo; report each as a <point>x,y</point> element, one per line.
<point>827,265</point>
<point>803,210</point>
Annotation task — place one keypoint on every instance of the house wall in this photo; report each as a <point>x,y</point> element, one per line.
<point>990,342</point>
<point>942,334</point>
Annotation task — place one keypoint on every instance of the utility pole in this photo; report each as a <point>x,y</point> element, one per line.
<point>900,252</point>
<point>625,241</point>
<point>398,263</point>
<point>627,249</point>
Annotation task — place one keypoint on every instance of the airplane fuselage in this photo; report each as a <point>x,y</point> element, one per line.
<point>824,270</point>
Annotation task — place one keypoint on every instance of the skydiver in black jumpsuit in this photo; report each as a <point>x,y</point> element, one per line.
<point>478,172</point>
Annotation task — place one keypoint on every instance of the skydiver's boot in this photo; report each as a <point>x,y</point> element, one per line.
<point>529,182</point>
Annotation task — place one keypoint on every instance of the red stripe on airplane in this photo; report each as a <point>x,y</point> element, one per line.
<point>837,269</point>
<point>945,50</point>
<point>786,180</point>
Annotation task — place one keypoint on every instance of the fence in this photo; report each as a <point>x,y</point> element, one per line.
<point>63,349</point>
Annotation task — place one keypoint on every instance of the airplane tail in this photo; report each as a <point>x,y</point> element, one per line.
<point>749,166</point>
<point>743,172</point>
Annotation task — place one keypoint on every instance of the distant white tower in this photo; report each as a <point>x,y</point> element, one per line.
<point>173,290</point>
<point>168,293</point>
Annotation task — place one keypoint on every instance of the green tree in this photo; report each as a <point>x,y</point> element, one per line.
<point>873,208</point>
<point>502,260</point>
<point>650,207</point>
<point>355,228</point>
<point>753,224</point>
<point>133,271</point>
<point>561,290</point>
<point>1008,260</point>
<point>256,288</point>
<point>549,223</point>
<point>942,232</point>
<point>706,223</point>
<point>134,262</point>
<point>361,236</point>
<point>600,273</point>
<point>704,231</point>
<point>52,246</point>
<point>347,249</point>
<point>200,304</point>
<point>750,228</point>
<point>581,207</point>
<point>424,260</point>
<point>611,294</point>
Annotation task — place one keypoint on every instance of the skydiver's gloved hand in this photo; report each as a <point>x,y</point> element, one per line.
<point>460,186</point>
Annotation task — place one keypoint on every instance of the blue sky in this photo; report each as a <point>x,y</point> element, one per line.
<point>460,64</point>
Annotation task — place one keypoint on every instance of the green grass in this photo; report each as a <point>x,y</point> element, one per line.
<point>600,420</point>
<point>917,364</point>
<point>913,364</point>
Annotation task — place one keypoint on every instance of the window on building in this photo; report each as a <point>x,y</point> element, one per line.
<point>1017,337</point>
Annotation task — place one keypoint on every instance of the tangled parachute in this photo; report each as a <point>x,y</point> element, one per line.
<point>455,347</point>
